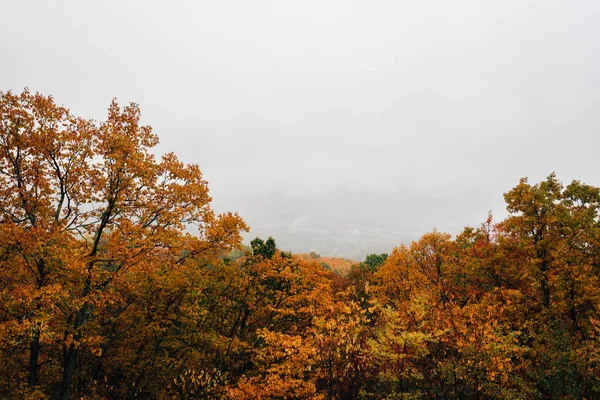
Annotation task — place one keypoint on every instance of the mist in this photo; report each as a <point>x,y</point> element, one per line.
<point>343,127</point>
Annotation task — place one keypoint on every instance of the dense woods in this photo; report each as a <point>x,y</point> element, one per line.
<point>118,280</point>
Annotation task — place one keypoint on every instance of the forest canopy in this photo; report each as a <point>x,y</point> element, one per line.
<point>107,293</point>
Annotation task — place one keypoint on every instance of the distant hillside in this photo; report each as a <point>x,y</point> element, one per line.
<point>338,264</point>
<point>338,223</point>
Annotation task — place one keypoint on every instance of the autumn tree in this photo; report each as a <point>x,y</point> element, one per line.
<point>552,233</point>
<point>86,210</point>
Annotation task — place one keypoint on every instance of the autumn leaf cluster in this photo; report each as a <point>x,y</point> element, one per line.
<point>117,280</point>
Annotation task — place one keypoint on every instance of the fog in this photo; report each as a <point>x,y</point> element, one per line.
<point>343,127</point>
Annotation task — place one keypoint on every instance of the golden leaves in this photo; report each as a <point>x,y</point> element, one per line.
<point>107,291</point>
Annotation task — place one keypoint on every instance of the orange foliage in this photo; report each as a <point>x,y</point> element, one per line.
<point>106,293</point>
<point>336,264</point>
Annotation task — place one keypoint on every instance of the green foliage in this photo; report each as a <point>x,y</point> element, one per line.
<point>265,249</point>
<point>374,261</point>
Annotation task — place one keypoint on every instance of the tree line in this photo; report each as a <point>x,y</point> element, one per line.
<point>106,293</point>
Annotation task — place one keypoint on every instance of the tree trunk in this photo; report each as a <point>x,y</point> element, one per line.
<point>69,369</point>
<point>34,352</point>
<point>70,357</point>
<point>34,346</point>
<point>545,287</point>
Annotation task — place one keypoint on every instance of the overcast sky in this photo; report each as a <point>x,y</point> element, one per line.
<point>344,127</point>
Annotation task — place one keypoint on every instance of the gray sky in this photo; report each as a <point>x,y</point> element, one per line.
<point>344,127</point>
